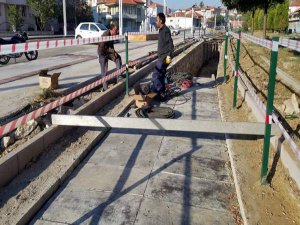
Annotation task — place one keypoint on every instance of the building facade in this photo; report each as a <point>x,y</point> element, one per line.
<point>184,19</point>
<point>134,12</point>
<point>28,17</point>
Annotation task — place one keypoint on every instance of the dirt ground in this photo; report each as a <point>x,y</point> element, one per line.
<point>277,203</point>
<point>258,71</point>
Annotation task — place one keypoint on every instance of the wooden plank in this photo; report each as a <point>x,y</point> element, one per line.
<point>203,126</point>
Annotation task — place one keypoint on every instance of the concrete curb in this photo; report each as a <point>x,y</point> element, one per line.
<point>229,144</point>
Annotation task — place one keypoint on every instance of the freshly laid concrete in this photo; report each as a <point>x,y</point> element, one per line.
<point>149,178</point>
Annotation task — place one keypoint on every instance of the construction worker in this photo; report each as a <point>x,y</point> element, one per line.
<point>165,51</point>
<point>107,52</point>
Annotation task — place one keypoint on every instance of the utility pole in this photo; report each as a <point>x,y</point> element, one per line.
<point>65,17</point>
<point>192,28</point>
<point>165,7</point>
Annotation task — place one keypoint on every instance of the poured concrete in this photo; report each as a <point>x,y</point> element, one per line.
<point>149,178</point>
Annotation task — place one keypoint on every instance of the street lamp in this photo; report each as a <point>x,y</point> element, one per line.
<point>121,17</point>
<point>65,17</point>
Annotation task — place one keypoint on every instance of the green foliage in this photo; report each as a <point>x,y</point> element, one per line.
<point>15,17</point>
<point>201,4</point>
<point>270,19</point>
<point>258,19</point>
<point>43,11</point>
<point>281,20</point>
<point>220,20</point>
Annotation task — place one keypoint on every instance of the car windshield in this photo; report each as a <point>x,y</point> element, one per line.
<point>101,26</point>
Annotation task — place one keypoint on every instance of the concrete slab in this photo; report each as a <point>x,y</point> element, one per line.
<point>205,161</point>
<point>167,213</point>
<point>190,191</point>
<point>145,150</point>
<point>107,178</point>
<point>90,207</point>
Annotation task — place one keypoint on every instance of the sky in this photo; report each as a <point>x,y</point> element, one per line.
<point>182,4</point>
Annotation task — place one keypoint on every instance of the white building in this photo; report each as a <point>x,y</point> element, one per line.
<point>183,19</point>
<point>294,16</point>
<point>28,18</point>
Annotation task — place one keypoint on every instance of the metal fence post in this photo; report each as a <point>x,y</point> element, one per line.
<point>237,64</point>
<point>127,67</point>
<point>271,90</point>
<point>184,35</point>
<point>225,54</point>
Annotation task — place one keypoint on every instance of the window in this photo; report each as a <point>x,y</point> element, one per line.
<point>84,27</point>
<point>101,26</point>
<point>94,28</point>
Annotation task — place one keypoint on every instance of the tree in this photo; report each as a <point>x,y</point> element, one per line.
<point>270,19</point>
<point>201,4</point>
<point>220,20</point>
<point>43,11</point>
<point>15,17</point>
<point>243,6</point>
<point>265,5</point>
<point>281,20</point>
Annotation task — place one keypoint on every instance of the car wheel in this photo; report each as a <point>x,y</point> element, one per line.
<point>174,33</point>
<point>78,37</point>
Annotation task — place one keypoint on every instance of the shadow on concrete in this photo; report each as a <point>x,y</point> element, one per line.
<point>118,191</point>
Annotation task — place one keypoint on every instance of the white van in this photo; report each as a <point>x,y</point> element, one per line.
<point>89,30</point>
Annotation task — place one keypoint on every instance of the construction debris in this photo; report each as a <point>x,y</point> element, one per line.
<point>291,106</point>
<point>26,129</point>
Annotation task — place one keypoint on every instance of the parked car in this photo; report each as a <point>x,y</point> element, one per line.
<point>174,31</point>
<point>89,30</point>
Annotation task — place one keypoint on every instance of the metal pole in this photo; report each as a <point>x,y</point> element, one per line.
<point>120,25</point>
<point>225,54</point>
<point>271,90</point>
<point>127,67</point>
<point>237,63</point>
<point>65,17</point>
<point>192,22</point>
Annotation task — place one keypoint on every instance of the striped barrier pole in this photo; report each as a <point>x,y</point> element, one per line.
<point>271,90</point>
<point>237,64</point>
<point>225,55</point>
<point>127,67</point>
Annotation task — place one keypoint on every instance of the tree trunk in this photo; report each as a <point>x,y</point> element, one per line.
<point>265,21</point>
<point>253,13</point>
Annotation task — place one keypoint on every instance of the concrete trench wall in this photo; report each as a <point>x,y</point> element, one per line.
<point>193,59</point>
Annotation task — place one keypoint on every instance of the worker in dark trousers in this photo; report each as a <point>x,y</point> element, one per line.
<point>106,51</point>
<point>165,53</point>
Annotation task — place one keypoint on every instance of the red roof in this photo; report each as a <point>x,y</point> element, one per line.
<point>152,4</point>
<point>116,2</point>
<point>294,4</point>
<point>185,14</point>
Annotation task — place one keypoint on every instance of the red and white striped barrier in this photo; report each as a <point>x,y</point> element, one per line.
<point>233,34</point>
<point>291,44</point>
<point>260,41</point>
<point>49,44</point>
<point>142,33</point>
<point>9,127</point>
<point>262,107</point>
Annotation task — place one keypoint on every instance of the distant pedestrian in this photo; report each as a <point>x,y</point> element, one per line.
<point>165,52</point>
<point>107,52</point>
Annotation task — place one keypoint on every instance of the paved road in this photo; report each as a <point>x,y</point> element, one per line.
<point>151,178</point>
<point>17,94</point>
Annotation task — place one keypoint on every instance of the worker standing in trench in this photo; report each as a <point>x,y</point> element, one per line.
<point>165,50</point>
<point>106,51</point>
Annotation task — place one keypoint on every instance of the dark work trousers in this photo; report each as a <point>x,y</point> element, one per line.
<point>158,76</point>
<point>103,61</point>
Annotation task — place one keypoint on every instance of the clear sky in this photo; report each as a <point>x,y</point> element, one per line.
<point>182,4</point>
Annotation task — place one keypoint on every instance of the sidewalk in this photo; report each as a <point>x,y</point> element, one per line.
<point>138,177</point>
